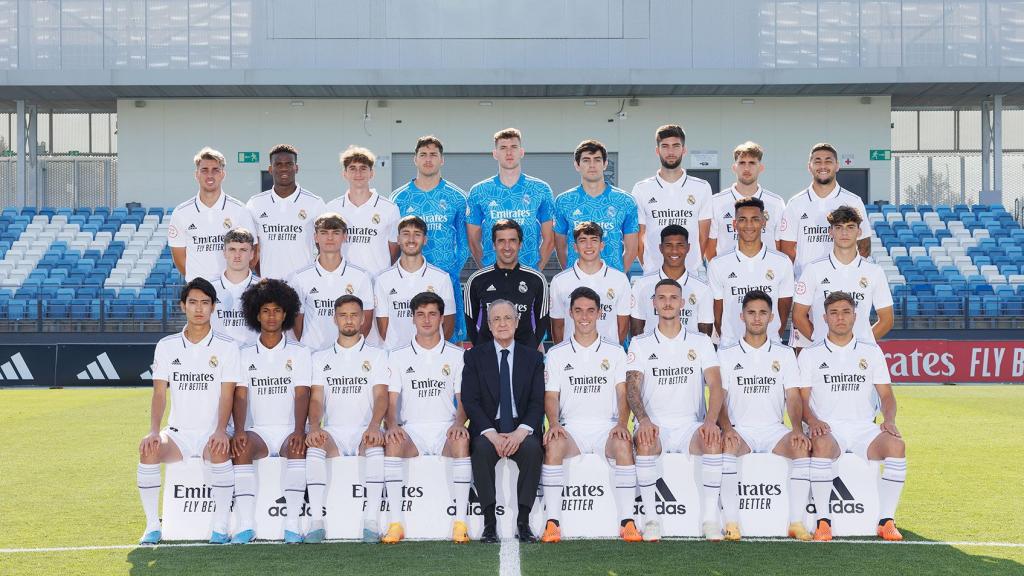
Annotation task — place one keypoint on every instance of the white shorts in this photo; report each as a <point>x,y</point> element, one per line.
<point>429,437</point>
<point>273,437</point>
<point>590,437</point>
<point>190,442</point>
<point>676,436</point>
<point>346,438</point>
<point>855,437</point>
<point>762,439</point>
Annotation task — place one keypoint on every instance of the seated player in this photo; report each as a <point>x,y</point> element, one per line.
<point>761,381</point>
<point>665,375</point>
<point>425,415</point>
<point>840,374</point>
<point>271,401</point>
<point>200,367</point>
<point>585,402</point>
<point>346,409</point>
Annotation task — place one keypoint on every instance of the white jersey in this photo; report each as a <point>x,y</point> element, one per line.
<point>318,289</point>
<point>611,285</point>
<point>697,301</point>
<point>686,202</point>
<point>200,231</point>
<point>843,378</point>
<point>285,230</point>
<point>271,375</point>
<point>227,314</point>
<point>427,381</point>
<point>723,213</point>
<point>395,287</point>
<point>805,221</point>
<point>732,275</point>
<point>348,376</point>
<point>194,373</point>
<point>371,227</point>
<point>755,381</point>
<point>673,369</point>
<point>585,378</point>
<point>862,279</point>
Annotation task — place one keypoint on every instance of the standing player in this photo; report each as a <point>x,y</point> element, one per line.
<point>752,265</point>
<point>271,402</point>
<point>425,415</point>
<point>411,275</point>
<point>201,368</point>
<point>511,195</point>
<point>846,270</point>
<point>747,167</point>
<point>346,409</point>
<point>322,283</point>
<point>804,230</point>
<point>697,312</point>
<point>507,279</point>
<point>672,197</point>
<point>371,218</point>
<point>284,217</point>
<point>665,375</point>
<point>595,200</point>
<point>197,228</point>
<point>841,375</point>
<point>443,206</point>
<point>585,402</point>
<point>761,383</point>
<point>590,270</point>
<point>229,316</point>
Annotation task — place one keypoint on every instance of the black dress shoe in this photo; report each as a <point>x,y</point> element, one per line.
<point>489,535</point>
<point>524,534</point>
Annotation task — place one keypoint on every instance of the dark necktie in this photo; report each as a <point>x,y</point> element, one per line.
<point>505,423</point>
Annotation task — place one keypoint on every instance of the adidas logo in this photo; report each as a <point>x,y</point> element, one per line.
<point>193,227</point>
<point>824,366</point>
<point>727,216</point>
<point>652,200</point>
<point>327,368</point>
<point>825,281</point>
<point>264,215</point>
<point>314,291</point>
<point>568,367</point>
<point>410,370</point>
<point>653,356</point>
<point>738,367</point>
<point>16,369</point>
<point>176,362</point>
<point>147,375</point>
<point>841,500</point>
<point>393,292</point>
<point>732,275</point>
<point>100,369</point>
<point>490,288</point>
<point>252,367</point>
<point>665,501</point>
<point>804,217</point>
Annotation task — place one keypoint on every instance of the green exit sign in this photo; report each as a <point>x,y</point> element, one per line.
<point>7,153</point>
<point>881,155</point>
<point>248,157</point>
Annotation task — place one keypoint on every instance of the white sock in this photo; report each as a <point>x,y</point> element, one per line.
<point>294,490</point>
<point>625,490</point>
<point>821,485</point>
<point>552,478</point>
<point>647,479</point>
<point>223,477</point>
<point>730,488</point>
<point>245,496</point>
<point>374,484</point>
<point>890,486</point>
<point>711,480</point>
<point>393,479</point>
<point>147,477</point>
<point>316,483</point>
<point>799,489</point>
<point>462,477</point>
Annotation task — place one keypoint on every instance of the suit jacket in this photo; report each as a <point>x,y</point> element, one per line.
<point>481,387</point>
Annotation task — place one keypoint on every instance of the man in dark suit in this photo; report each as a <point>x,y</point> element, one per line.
<point>503,394</point>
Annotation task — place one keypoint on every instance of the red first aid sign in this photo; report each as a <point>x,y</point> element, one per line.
<point>954,360</point>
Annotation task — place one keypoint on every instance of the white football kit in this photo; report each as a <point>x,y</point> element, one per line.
<point>732,274</point>
<point>686,202</point>
<point>318,289</point>
<point>200,230</point>
<point>395,287</point>
<point>285,230</point>
<point>427,381</point>
<point>805,221</point>
<point>755,381</point>
<point>272,375</point>
<point>862,279</point>
<point>371,226</point>
<point>348,377</point>
<point>723,214</point>
<point>697,301</point>
<point>611,285</point>
<point>228,317</point>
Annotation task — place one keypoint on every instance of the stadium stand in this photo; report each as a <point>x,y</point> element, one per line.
<point>106,269</point>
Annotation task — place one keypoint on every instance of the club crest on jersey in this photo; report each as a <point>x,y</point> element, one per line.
<point>610,211</point>
<point>442,205</point>
<point>863,282</point>
<point>863,364</point>
<point>770,274</point>
<point>446,370</point>
<point>630,358</point>
<point>366,366</point>
<point>349,289</point>
<point>227,223</point>
<point>288,365</point>
<point>302,214</point>
<point>526,199</point>
<point>430,288</point>
<point>522,287</point>
<point>693,299</point>
<point>610,294</point>
<point>691,200</point>
<point>605,365</point>
<point>375,219</point>
<point>775,366</point>
<point>692,354</point>
<point>213,362</point>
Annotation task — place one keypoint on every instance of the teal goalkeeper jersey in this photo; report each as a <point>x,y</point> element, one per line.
<point>528,202</point>
<point>444,211</point>
<point>614,210</point>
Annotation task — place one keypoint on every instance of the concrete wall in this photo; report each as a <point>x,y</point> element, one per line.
<point>156,142</point>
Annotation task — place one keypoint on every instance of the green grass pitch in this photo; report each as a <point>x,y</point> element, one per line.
<point>67,461</point>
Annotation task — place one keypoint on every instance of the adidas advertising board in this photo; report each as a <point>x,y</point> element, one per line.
<point>103,364</point>
<point>853,501</point>
<point>29,365</point>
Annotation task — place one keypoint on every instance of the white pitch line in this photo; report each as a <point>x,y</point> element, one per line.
<point>509,558</point>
